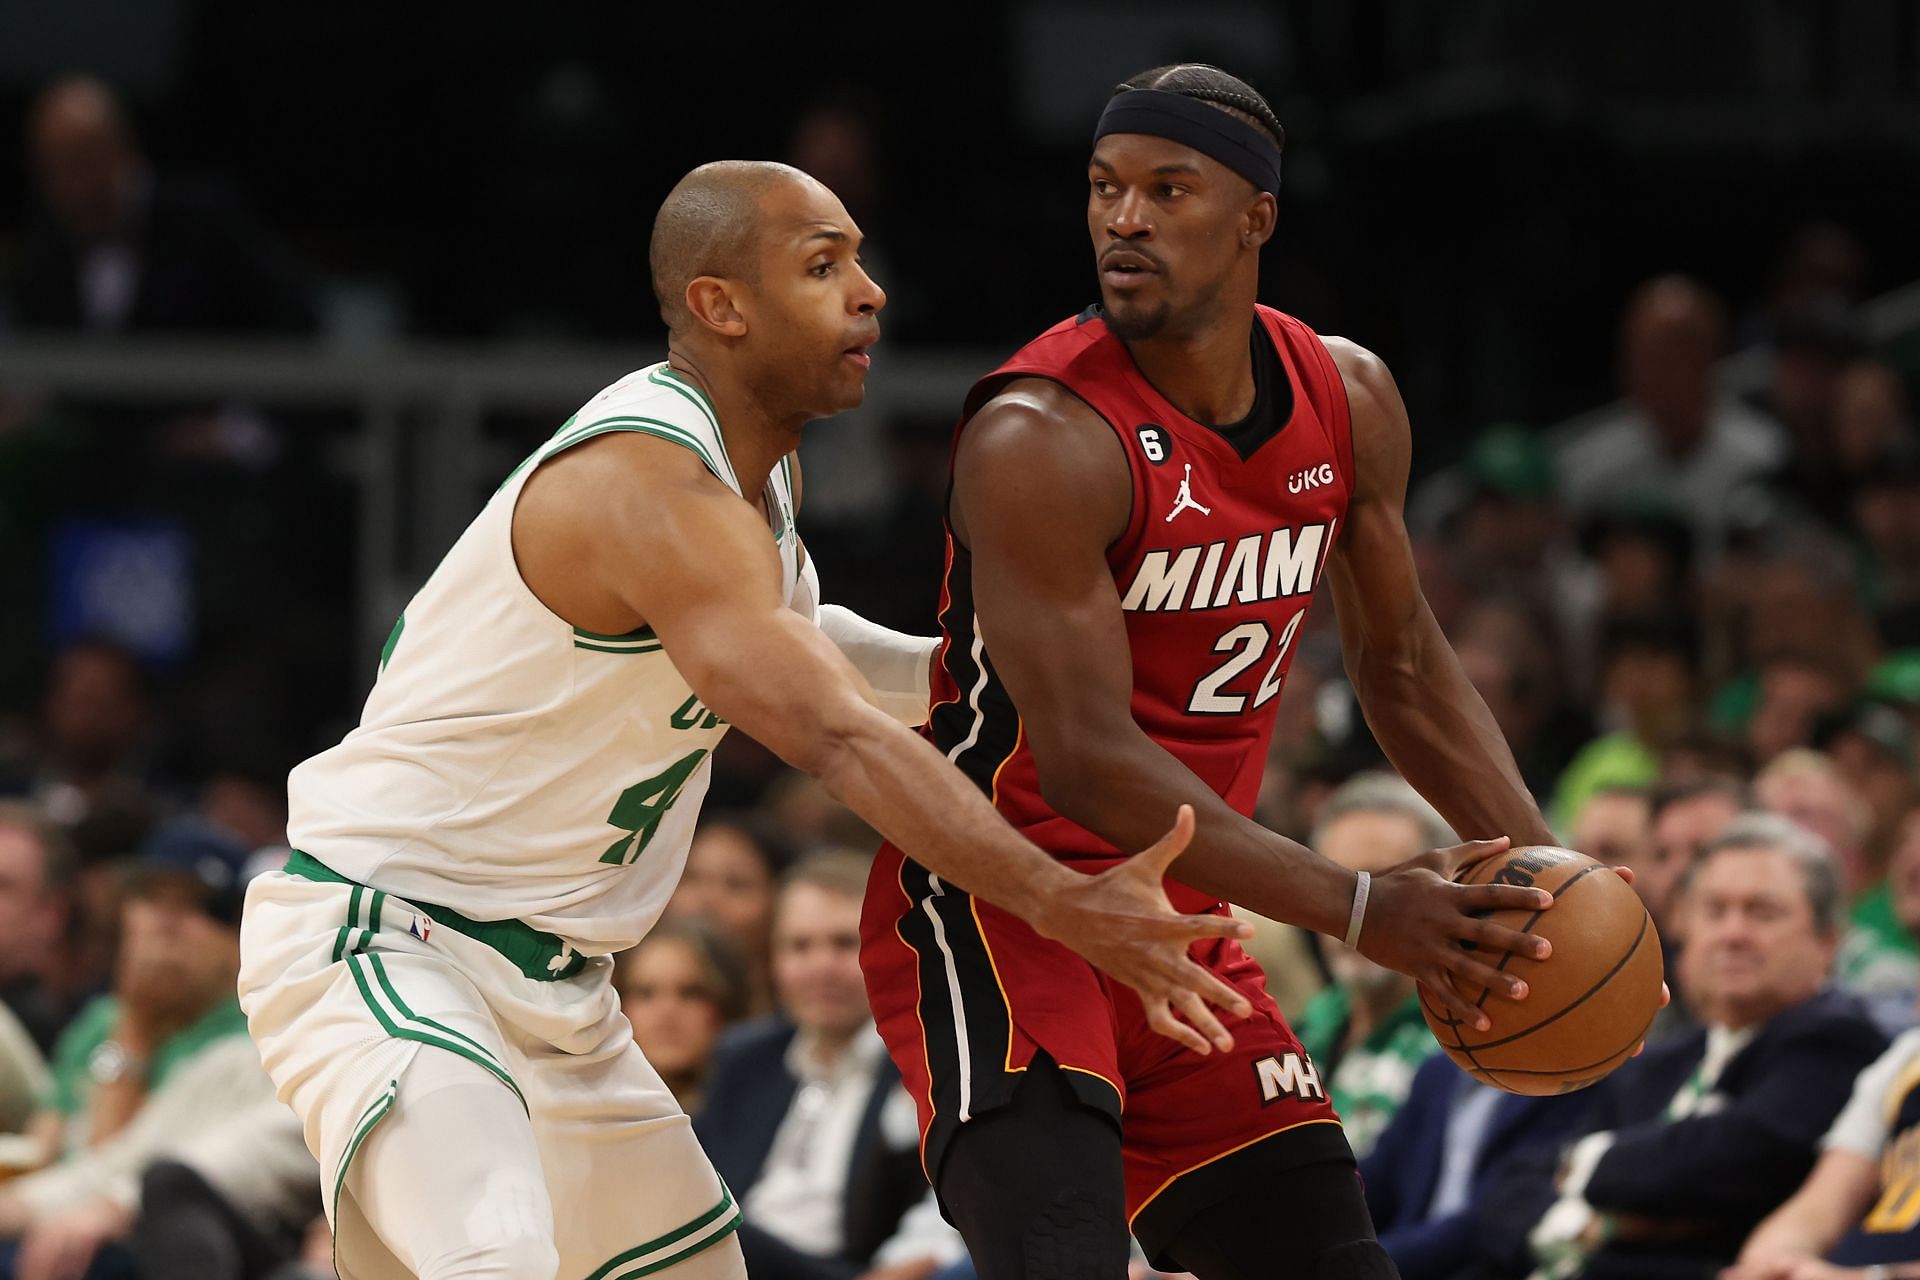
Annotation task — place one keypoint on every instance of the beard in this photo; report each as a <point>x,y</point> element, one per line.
<point>1133,322</point>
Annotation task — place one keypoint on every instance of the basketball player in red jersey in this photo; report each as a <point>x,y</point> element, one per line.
<point>1143,500</point>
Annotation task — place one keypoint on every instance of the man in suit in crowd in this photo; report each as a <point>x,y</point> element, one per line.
<point>805,1117</point>
<point>1688,1146</point>
<point>1434,1158</point>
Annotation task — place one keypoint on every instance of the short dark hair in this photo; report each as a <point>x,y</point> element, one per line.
<point>1811,855</point>
<point>1671,634</point>
<point>1665,797</point>
<point>1204,83</point>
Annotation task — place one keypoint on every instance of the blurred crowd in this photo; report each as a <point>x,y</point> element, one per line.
<point>1695,614</point>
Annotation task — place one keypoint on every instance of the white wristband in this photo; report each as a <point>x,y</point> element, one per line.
<point>1362,885</point>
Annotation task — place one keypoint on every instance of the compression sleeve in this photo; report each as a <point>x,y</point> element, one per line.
<point>895,664</point>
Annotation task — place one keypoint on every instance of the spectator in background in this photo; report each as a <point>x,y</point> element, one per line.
<point>732,868</point>
<point>142,1073</point>
<point>1615,826</point>
<point>118,248</point>
<point>805,1117</point>
<point>681,986</point>
<point>1519,670</point>
<point>1491,530</point>
<point>1644,557</point>
<point>1431,1162</point>
<point>1876,958</point>
<point>1857,1208</point>
<point>1788,599</point>
<point>1822,260</point>
<point>249,803</point>
<point>1676,441</point>
<point>1886,515</point>
<point>1365,1032</point>
<point>1683,821</point>
<point>1796,690</point>
<point>1812,346</point>
<point>1871,417</point>
<point>37,870</point>
<point>96,732</point>
<point>1692,1143</point>
<point>1871,745</point>
<point>1648,680</point>
<point>1806,787</point>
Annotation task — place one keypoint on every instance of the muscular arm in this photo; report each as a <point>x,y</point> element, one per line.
<point>1040,491</point>
<point>1051,619</point>
<point>1424,711</point>
<point>628,500</point>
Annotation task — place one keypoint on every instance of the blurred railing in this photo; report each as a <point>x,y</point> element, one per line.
<point>421,449</point>
<point>422,453</point>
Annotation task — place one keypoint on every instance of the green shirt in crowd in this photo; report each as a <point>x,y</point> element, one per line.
<point>1370,1081</point>
<point>93,1026</point>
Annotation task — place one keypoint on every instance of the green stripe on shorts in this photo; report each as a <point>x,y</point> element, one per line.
<point>705,1231</point>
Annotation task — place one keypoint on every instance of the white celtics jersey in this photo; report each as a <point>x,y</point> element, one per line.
<point>509,765</point>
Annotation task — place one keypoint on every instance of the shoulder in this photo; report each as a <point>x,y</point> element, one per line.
<point>1034,404</point>
<point>1382,440</point>
<point>1372,394</point>
<point>1039,422</point>
<point>1033,441</point>
<point>1834,1017</point>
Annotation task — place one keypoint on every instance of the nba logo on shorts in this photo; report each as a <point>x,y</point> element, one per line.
<point>421,928</point>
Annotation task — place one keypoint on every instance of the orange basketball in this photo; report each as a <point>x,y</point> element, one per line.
<point>1589,1003</point>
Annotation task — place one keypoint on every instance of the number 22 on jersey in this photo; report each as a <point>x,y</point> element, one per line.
<point>1247,642</point>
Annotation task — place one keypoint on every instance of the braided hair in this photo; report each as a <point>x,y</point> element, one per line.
<point>1210,84</point>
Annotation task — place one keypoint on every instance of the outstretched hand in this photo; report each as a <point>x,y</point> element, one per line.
<point>1123,923</point>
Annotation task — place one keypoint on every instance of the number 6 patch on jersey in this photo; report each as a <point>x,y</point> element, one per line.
<point>1154,442</point>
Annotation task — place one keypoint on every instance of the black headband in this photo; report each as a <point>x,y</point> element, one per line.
<point>1191,122</point>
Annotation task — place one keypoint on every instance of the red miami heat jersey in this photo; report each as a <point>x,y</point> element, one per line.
<point>1215,573</point>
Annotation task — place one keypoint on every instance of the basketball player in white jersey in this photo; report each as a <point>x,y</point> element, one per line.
<point>428,979</point>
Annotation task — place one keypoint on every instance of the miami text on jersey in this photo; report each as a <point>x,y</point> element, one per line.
<point>1268,566</point>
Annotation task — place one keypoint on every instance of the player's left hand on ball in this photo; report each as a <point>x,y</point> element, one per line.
<point>1417,919</point>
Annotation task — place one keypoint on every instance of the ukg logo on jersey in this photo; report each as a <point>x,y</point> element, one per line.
<point>1312,478</point>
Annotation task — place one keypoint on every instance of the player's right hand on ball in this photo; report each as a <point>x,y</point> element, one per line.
<point>1417,918</point>
<point>1122,922</point>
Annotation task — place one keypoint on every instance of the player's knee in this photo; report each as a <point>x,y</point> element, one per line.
<point>1356,1260</point>
<point>523,1257</point>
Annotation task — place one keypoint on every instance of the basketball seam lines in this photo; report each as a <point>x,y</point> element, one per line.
<point>1576,1003</point>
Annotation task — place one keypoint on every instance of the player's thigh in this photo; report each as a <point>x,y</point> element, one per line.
<point>1035,1186</point>
<point>447,1184</point>
<point>1198,1125</point>
<point>631,1188</point>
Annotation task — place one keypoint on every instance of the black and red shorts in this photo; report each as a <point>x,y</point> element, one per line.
<point>966,995</point>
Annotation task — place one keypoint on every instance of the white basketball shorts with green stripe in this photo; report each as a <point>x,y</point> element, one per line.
<point>344,987</point>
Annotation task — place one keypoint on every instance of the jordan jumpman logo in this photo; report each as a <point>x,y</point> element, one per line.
<point>1184,498</point>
